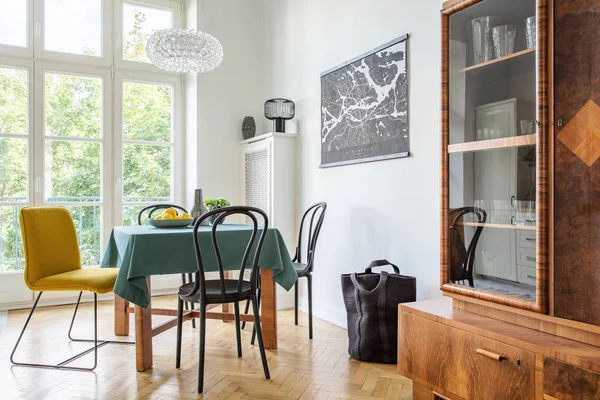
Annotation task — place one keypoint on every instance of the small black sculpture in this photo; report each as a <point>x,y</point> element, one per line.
<point>279,110</point>
<point>248,128</point>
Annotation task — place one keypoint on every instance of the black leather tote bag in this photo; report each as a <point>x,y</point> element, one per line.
<point>371,301</point>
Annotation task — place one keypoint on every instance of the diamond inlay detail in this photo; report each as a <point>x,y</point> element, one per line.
<point>582,134</point>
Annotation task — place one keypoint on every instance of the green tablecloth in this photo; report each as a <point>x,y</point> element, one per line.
<point>141,251</point>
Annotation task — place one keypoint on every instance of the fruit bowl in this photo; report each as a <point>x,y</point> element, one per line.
<point>170,223</point>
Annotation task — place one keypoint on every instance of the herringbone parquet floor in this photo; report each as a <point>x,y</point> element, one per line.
<point>300,368</point>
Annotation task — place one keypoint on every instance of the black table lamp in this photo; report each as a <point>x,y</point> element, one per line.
<point>279,110</point>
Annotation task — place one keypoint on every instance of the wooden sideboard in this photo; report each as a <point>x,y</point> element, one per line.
<point>455,354</point>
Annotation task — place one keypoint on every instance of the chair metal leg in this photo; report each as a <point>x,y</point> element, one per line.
<point>63,364</point>
<point>310,314</point>
<point>296,303</point>
<point>103,342</point>
<point>238,333</point>
<point>258,330</point>
<point>254,327</point>
<point>179,332</point>
<point>202,332</point>
<point>246,312</point>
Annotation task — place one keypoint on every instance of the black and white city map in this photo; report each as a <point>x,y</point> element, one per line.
<point>364,107</point>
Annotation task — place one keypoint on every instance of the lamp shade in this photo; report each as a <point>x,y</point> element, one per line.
<point>279,110</point>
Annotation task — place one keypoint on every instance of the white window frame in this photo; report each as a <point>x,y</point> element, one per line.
<point>12,286</point>
<point>178,153</point>
<point>113,70</point>
<point>106,43</point>
<point>175,6</point>
<point>8,49</point>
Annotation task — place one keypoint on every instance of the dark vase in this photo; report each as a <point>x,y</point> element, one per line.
<point>213,218</point>
<point>248,128</point>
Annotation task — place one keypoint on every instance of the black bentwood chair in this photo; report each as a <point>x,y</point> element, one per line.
<point>151,210</point>
<point>317,215</point>
<point>462,258</point>
<point>222,291</point>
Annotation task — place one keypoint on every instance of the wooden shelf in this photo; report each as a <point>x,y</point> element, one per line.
<point>500,226</point>
<point>491,144</point>
<point>496,61</point>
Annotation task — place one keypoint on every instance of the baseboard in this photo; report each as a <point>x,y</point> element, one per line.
<point>327,313</point>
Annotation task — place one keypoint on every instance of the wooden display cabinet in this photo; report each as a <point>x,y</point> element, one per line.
<point>521,316</point>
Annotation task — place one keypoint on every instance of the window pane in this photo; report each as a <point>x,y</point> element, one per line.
<point>138,24</point>
<point>13,100</point>
<point>11,247</point>
<point>87,224</point>
<point>13,22</point>
<point>146,173</point>
<point>130,215</point>
<point>147,112</point>
<point>72,171</point>
<point>13,170</point>
<point>73,106</point>
<point>74,26</point>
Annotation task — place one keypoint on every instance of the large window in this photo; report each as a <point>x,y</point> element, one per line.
<point>85,121</point>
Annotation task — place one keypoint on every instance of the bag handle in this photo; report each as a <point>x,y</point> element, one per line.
<point>381,263</point>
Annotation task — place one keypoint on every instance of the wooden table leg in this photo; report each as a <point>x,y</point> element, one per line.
<point>121,317</point>
<point>268,309</point>
<point>143,335</point>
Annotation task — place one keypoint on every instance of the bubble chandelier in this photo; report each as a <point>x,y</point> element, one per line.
<point>184,50</point>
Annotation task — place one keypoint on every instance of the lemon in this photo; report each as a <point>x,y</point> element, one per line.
<point>158,218</point>
<point>170,211</point>
<point>167,216</point>
<point>177,217</point>
<point>185,216</point>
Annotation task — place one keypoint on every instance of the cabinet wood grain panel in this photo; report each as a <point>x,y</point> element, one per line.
<point>447,358</point>
<point>564,381</point>
<point>576,182</point>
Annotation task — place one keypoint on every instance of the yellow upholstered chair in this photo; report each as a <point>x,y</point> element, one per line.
<point>53,263</point>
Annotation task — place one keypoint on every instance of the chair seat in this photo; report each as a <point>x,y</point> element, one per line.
<point>97,280</point>
<point>301,269</point>
<point>213,291</point>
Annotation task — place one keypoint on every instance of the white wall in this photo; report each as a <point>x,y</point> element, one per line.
<point>223,97</point>
<point>386,209</point>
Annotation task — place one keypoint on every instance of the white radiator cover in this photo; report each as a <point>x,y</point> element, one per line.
<point>269,183</point>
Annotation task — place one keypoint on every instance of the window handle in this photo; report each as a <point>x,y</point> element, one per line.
<point>38,185</point>
<point>38,29</point>
<point>118,186</point>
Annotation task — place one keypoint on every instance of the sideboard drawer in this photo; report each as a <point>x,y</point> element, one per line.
<point>564,381</point>
<point>467,365</point>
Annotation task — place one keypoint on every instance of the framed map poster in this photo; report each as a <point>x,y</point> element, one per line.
<point>364,107</point>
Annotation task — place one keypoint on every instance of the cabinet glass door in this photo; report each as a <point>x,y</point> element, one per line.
<point>491,152</point>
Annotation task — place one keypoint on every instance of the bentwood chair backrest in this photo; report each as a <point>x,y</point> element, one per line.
<point>316,213</point>
<point>156,207</point>
<point>49,242</point>
<point>462,258</point>
<point>251,254</point>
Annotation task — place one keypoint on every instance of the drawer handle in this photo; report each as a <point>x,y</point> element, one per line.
<point>530,239</point>
<point>491,355</point>
<point>531,277</point>
<point>436,394</point>
<point>529,258</point>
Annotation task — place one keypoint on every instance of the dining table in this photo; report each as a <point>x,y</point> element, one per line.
<point>144,251</point>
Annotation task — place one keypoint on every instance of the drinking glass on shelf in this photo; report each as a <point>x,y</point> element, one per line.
<point>504,40</point>
<point>501,212</point>
<point>527,127</point>
<point>525,213</point>
<point>530,32</point>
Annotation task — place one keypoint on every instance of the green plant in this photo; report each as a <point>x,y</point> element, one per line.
<point>220,202</point>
